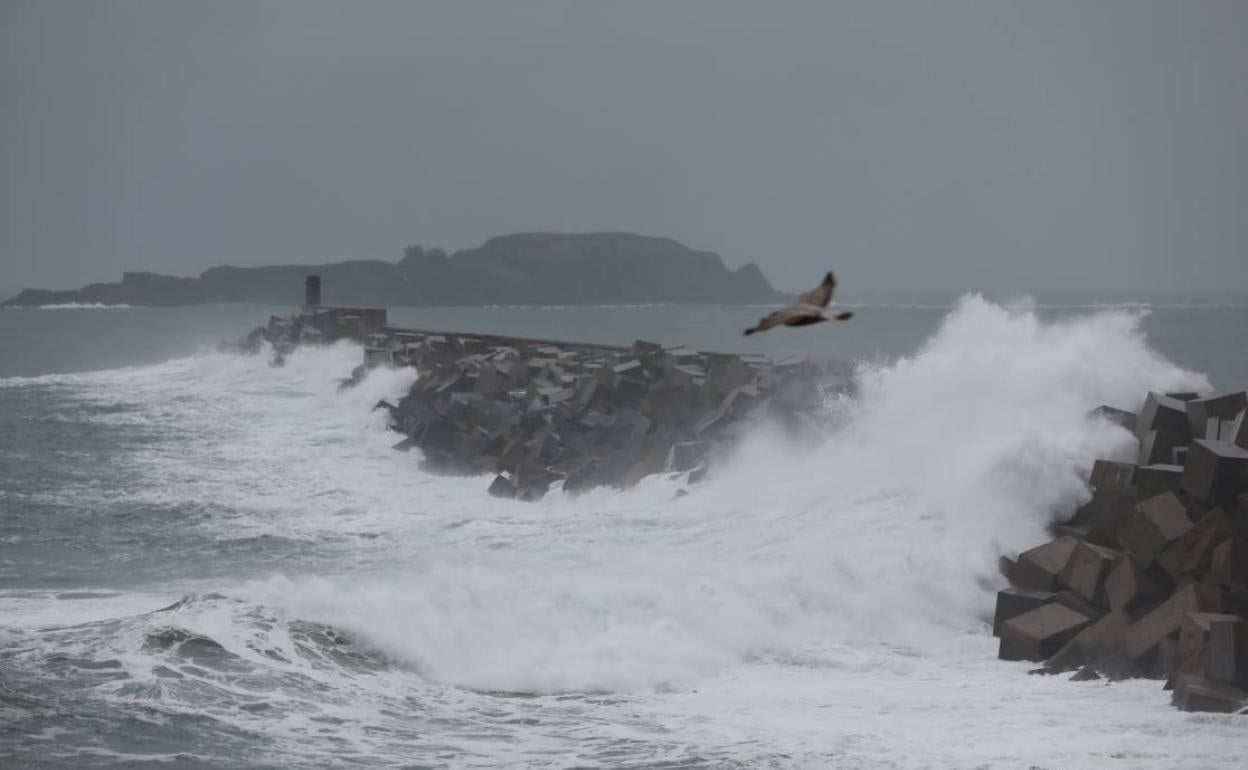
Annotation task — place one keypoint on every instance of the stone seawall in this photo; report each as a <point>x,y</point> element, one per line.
<point>536,413</point>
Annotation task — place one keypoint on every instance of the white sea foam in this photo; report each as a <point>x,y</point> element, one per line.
<point>77,306</point>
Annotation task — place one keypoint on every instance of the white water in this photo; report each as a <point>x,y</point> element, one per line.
<point>807,607</point>
<point>77,306</point>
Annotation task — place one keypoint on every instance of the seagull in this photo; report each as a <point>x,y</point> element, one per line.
<point>810,308</point>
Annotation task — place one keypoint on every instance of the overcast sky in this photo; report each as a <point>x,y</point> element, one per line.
<point>1009,147</point>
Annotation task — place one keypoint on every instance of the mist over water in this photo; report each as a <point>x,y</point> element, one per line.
<point>219,563</point>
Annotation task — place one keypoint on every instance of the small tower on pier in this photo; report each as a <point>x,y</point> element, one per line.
<point>312,291</point>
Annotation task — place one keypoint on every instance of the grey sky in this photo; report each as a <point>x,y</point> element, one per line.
<point>1011,147</point>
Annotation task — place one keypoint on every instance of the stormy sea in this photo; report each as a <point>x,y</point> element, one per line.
<point>210,562</point>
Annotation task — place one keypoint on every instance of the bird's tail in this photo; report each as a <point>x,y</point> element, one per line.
<point>843,316</point>
<point>751,330</point>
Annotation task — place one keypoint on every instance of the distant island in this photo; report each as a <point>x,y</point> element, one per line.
<point>518,269</point>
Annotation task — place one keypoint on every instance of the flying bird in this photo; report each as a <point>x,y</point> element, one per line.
<point>810,308</point>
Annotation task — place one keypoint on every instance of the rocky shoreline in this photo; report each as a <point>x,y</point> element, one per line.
<point>539,413</point>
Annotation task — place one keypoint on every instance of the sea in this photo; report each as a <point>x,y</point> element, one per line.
<point>210,562</point>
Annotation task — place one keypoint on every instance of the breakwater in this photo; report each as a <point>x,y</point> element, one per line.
<point>541,413</point>
<point>1149,578</point>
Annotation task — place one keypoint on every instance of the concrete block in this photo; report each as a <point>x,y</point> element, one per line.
<point>687,455</point>
<point>1155,523</point>
<point>515,453</point>
<point>491,382</point>
<point>1105,515</point>
<point>1118,416</point>
<point>628,368</point>
<point>699,474</point>
<point>1086,570</point>
<point>1077,531</point>
<point>1229,563</point>
<point>1192,552</point>
<point>1108,475</point>
<point>502,487</point>
<point>1128,586</point>
<point>669,405</point>
<point>606,377</point>
<point>657,450</point>
<point>1216,472</point>
<point>1067,658</point>
<point>1079,604</point>
<point>405,445</point>
<point>1194,632</point>
<point>1165,660</point>
<point>1040,567</point>
<point>1037,634</point>
<point>1006,566</point>
<point>1097,645</point>
<point>374,357</point>
<point>1228,650</point>
<point>629,392</point>
<point>594,419</point>
<point>633,474</point>
<point>1168,416</point>
<point>1104,646</point>
<point>711,422</point>
<point>726,373</point>
<point>1193,693</point>
<point>683,354</point>
<point>438,435</point>
<point>1201,411</point>
<point>1210,595</point>
<point>632,423</point>
<point>1165,620</point>
<point>1237,431</point>
<point>582,478</point>
<point>1154,449</point>
<point>1152,480</point>
<point>687,373</point>
<point>453,383</point>
<point>741,399</point>
<point>1013,602</point>
<point>1226,430</point>
<point>1192,666</point>
<point>589,393</point>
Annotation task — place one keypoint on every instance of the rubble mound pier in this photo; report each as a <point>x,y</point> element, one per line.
<point>536,413</point>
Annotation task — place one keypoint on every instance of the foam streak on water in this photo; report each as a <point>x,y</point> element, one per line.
<point>810,606</point>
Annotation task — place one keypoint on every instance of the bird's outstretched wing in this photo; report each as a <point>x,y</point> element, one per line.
<point>821,296</point>
<point>767,321</point>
